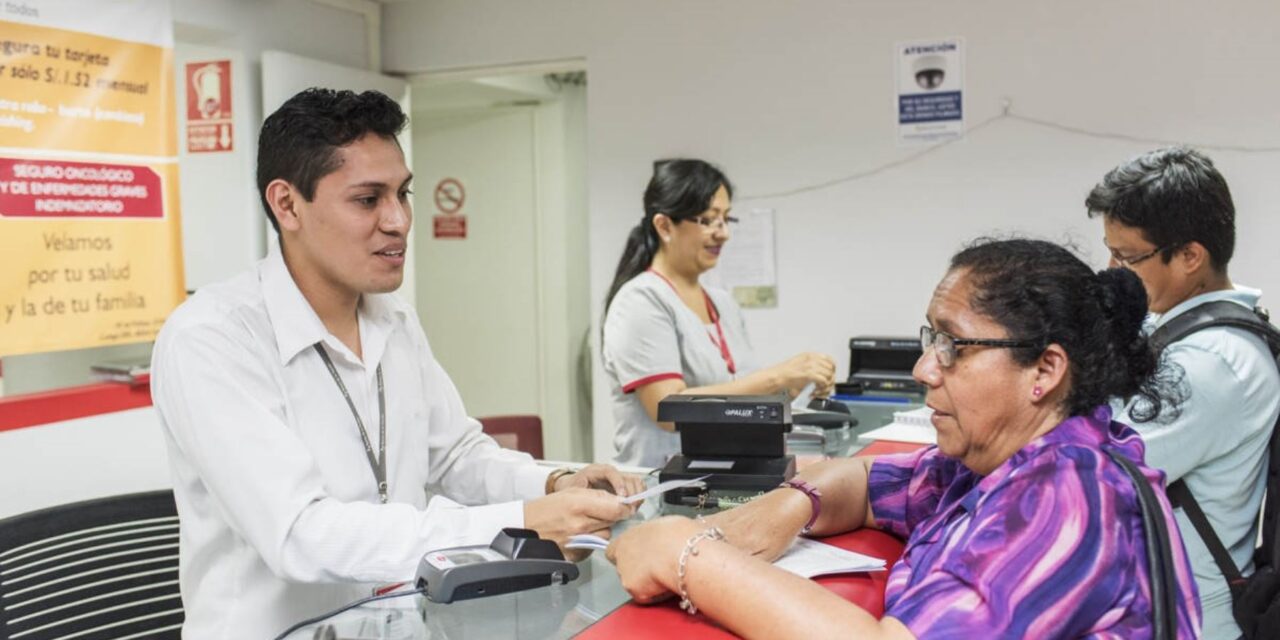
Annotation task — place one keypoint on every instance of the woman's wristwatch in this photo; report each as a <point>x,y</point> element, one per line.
<point>554,477</point>
<point>815,499</point>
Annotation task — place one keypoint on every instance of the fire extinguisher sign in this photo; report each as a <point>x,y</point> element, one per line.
<point>209,106</point>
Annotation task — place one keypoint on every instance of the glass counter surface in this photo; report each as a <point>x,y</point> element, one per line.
<point>558,611</point>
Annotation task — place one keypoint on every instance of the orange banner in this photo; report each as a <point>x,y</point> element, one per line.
<point>89,224</point>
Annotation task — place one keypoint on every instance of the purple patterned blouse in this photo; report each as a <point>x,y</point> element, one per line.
<point>1048,545</point>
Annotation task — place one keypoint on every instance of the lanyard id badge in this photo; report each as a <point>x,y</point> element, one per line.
<point>376,463</point>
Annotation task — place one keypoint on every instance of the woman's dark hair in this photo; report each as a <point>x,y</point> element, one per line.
<point>680,189</point>
<point>1040,291</point>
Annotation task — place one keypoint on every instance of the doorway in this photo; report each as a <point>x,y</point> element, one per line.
<point>501,241</point>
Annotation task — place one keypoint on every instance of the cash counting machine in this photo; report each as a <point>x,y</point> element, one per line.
<point>739,440</point>
<point>882,364</point>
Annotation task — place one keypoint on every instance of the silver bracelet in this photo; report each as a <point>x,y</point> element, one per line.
<point>691,549</point>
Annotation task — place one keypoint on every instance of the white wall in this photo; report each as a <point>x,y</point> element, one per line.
<point>787,94</point>
<point>81,459</point>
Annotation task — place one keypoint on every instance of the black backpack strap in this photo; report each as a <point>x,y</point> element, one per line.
<point>1223,313</point>
<point>1180,496</point>
<point>1164,583</point>
<point>1220,313</point>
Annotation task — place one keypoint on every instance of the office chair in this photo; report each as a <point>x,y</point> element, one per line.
<point>95,570</point>
<point>522,433</point>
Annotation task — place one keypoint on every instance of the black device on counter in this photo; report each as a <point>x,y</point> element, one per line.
<point>740,441</point>
<point>516,560</point>
<point>879,363</point>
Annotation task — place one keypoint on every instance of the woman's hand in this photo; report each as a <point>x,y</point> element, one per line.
<point>602,476</point>
<point>766,526</point>
<point>648,556</point>
<point>807,367</point>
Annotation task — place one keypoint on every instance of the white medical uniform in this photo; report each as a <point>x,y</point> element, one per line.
<point>651,335</point>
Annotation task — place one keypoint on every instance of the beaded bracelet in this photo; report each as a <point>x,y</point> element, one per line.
<point>691,549</point>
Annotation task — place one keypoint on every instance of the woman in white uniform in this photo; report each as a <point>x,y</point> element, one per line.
<point>665,333</point>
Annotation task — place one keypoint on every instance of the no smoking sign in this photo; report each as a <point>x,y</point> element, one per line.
<point>449,197</point>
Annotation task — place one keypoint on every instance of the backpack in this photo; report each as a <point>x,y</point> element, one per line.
<point>1256,599</point>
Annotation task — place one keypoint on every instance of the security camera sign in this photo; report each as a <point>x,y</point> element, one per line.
<point>930,86</point>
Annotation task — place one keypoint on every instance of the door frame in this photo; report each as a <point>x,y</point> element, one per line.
<point>567,426</point>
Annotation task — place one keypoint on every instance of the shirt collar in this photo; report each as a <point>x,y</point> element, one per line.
<point>1246,296</point>
<point>297,327</point>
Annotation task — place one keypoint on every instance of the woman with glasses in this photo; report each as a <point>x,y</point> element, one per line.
<point>1018,523</point>
<point>665,333</point>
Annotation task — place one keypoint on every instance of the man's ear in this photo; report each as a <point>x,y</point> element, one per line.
<point>284,199</point>
<point>1194,258</point>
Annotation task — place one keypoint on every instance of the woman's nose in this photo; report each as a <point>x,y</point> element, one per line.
<point>928,371</point>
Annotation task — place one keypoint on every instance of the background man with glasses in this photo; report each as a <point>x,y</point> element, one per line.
<point>1168,216</point>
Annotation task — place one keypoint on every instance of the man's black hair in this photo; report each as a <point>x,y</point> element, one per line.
<point>1174,196</point>
<point>299,142</point>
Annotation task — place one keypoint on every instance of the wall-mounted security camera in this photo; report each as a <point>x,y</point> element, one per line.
<point>930,71</point>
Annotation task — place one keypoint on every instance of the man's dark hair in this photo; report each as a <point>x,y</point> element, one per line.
<point>299,142</point>
<point>1174,196</point>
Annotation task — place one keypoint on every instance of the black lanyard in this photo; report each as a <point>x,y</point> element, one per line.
<point>377,464</point>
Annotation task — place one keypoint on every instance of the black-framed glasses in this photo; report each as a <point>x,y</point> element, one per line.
<point>1129,262</point>
<point>945,345</point>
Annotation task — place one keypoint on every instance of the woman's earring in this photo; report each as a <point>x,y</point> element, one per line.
<point>1037,391</point>
<point>666,238</point>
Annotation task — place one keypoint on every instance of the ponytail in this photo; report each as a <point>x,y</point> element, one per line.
<point>642,245</point>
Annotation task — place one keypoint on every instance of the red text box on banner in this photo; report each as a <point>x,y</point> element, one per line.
<point>47,189</point>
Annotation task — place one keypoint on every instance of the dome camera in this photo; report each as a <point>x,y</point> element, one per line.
<point>930,71</point>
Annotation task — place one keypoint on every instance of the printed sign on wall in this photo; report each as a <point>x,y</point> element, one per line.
<point>449,196</point>
<point>89,226</point>
<point>208,106</point>
<point>930,90</point>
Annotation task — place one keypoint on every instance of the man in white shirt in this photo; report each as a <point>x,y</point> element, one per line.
<point>1168,216</point>
<point>306,419</point>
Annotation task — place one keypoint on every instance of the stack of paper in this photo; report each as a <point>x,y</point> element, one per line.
<point>907,426</point>
<point>808,558</point>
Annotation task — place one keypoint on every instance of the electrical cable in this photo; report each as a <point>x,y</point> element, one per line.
<point>1006,113</point>
<point>347,607</point>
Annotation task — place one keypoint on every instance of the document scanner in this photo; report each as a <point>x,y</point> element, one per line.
<point>739,440</point>
<point>516,560</point>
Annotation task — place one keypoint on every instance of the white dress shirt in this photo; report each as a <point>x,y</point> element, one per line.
<point>279,509</point>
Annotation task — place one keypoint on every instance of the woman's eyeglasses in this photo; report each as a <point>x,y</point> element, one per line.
<point>714,223</point>
<point>945,345</point>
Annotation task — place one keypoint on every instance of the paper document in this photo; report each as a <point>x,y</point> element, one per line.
<point>587,541</point>
<point>662,488</point>
<point>808,558</point>
<point>802,400</point>
<point>718,465</point>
